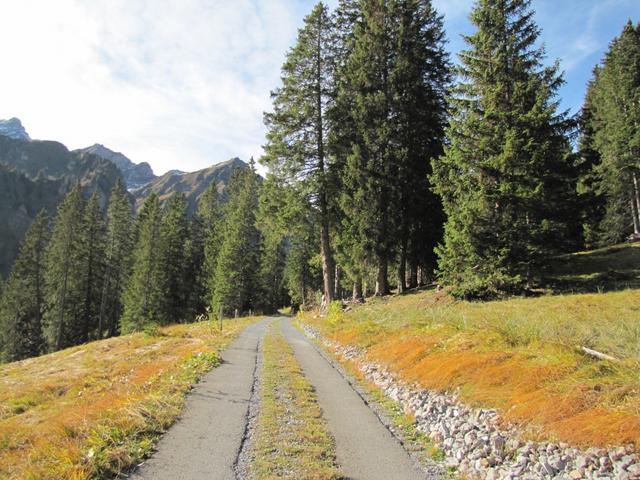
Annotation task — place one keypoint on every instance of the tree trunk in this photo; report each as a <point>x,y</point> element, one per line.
<point>103,301</point>
<point>357,291</point>
<point>327,258</point>
<point>634,214</point>
<point>336,291</point>
<point>413,274</point>
<point>636,192</point>
<point>113,325</point>
<point>382,285</point>
<point>402,268</point>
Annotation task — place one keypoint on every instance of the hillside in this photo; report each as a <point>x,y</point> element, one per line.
<point>95,410</point>
<point>191,184</point>
<point>37,174</point>
<point>523,356</point>
<point>135,175</point>
<point>21,198</point>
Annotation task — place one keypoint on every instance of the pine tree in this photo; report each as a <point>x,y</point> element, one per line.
<point>298,127</point>
<point>234,280</point>
<point>505,179</point>
<point>209,215</point>
<point>274,227</point>
<point>117,260</point>
<point>22,302</point>
<point>592,201</point>
<point>391,99</point>
<point>92,267</point>
<point>143,296</point>
<point>420,80</point>
<point>174,230</point>
<point>614,118</point>
<point>371,166</point>
<point>64,320</point>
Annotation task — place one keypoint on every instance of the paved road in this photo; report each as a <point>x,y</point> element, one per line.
<point>205,442</point>
<point>365,449</point>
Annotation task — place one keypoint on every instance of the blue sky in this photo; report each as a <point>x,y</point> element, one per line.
<point>183,83</point>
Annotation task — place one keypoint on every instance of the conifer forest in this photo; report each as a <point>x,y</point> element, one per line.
<point>420,260</point>
<point>390,166</point>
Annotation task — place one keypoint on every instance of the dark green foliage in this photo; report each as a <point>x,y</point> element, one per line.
<point>143,296</point>
<point>391,96</point>
<point>92,268</point>
<point>611,138</point>
<point>209,217</point>
<point>296,149</point>
<point>234,281</point>
<point>505,180</point>
<point>118,244</point>
<point>272,222</point>
<point>592,202</point>
<point>64,320</point>
<point>22,302</point>
<point>173,252</point>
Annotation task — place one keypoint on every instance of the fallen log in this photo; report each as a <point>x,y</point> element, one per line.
<point>598,355</point>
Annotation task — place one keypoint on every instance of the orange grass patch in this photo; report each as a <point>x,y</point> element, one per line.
<point>518,356</point>
<point>95,410</point>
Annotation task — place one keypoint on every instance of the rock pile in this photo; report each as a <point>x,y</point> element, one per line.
<point>477,443</point>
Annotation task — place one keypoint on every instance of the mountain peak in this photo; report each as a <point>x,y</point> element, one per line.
<point>13,128</point>
<point>135,175</point>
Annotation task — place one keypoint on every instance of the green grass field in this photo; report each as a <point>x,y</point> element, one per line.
<point>521,355</point>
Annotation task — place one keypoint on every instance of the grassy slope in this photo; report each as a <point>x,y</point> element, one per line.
<point>94,410</point>
<point>292,440</point>
<point>518,355</point>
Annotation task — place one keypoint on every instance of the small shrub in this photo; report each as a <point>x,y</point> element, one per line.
<point>151,329</point>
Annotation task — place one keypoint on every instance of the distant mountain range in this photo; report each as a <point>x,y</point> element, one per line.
<point>13,128</point>
<point>135,175</point>
<point>36,174</point>
<point>191,184</point>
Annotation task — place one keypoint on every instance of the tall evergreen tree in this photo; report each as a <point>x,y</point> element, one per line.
<point>298,127</point>
<point>420,79</point>
<point>614,116</point>
<point>209,215</point>
<point>234,280</point>
<point>22,302</point>
<point>64,320</point>
<point>92,267</point>
<point>505,179</point>
<point>371,165</point>
<point>592,201</point>
<point>275,226</point>
<point>392,92</point>
<point>117,260</point>
<point>143,296</point>
<point>174,230</point>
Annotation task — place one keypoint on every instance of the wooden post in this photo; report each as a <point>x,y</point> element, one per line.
<point>220,317</point>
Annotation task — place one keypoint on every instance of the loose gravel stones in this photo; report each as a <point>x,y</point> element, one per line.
<point>478,444</point>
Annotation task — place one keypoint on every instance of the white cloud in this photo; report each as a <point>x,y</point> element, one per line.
<point>179,83</point>
<point>453,9</point>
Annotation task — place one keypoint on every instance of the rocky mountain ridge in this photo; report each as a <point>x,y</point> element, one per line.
<point>13,128</point>
<point>135,175</point>
<point>37,174</point>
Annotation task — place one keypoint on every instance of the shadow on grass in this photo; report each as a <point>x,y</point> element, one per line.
<point>604,270</point>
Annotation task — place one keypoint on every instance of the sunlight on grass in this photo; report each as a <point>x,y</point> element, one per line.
<point>292,440</point>
<point>520,355</point>
<point>95,410</point>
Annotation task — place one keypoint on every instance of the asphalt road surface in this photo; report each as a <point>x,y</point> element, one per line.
<point>206,441</point>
